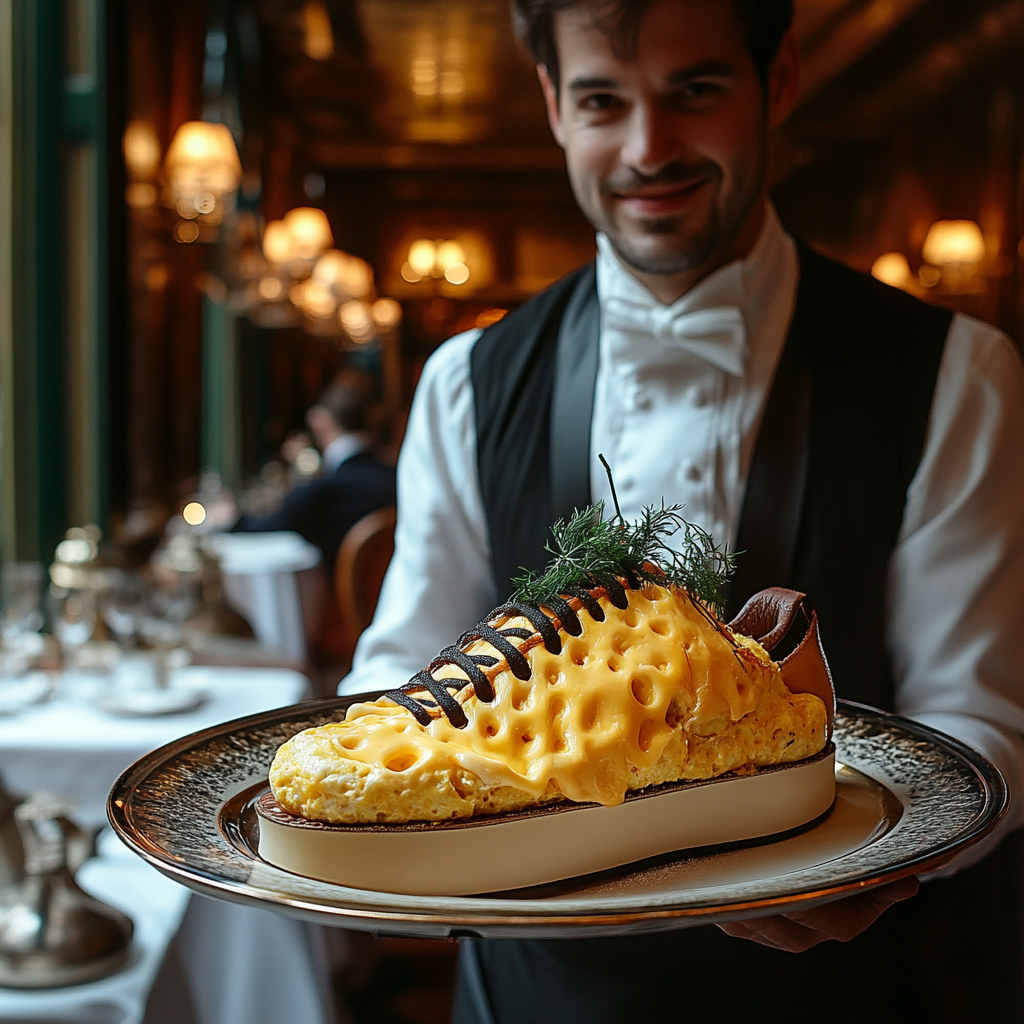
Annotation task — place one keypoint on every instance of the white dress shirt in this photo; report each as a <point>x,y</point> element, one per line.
<point>676,426</point>
<point>343,448</point>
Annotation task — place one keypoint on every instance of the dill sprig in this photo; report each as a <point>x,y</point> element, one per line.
<point>589,549</point>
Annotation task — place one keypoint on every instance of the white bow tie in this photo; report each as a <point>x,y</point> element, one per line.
<point>718,336</point>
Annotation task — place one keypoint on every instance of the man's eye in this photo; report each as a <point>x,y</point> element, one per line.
<point>599,101</point>
<point>700,90</point>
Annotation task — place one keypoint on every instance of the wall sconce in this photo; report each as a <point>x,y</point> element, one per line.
<point>893,269</point>
<point>300,237</point>
<point>443,259</point>
<point>202,168</point>
<point>310,231</point>
<point>141,150</point>
<point>317,35</point>
<point>953,252</point>
<point>347,276</point>
<point>951,242</point>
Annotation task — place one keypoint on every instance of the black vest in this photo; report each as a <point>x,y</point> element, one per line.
<point>841,438</point>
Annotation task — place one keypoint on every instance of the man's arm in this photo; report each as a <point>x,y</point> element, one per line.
<point>956,581</point>
<point>439,582</point>
<point>955,598</point>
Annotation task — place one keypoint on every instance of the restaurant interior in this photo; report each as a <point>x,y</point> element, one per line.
<point>211,211</point>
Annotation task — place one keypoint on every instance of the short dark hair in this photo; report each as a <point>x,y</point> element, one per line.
<point>766,21</point>
<point>349,399</point>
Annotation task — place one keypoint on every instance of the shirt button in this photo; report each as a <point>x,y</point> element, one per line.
<point>693,473</point>
<point>701,398</point>
<point>642,400</point>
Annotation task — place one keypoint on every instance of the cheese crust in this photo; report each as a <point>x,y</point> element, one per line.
<point>657,692</point>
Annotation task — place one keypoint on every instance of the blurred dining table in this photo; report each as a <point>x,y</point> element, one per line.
<point>195,960</point>
<point>276,581</point>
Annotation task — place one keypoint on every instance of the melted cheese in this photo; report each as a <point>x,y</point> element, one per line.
<point>586,724</point>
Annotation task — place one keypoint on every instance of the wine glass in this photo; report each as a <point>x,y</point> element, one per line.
<point>124,606</point>
<point>72,617</point>
<point>21,587</point>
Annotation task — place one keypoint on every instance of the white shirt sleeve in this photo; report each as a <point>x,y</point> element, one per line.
<point>956,579</point>
<point>439,583</point>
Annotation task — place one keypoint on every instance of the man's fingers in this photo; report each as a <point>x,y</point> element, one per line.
<point>846,919</point>
<point>841,920</point>
<point>778,932</point>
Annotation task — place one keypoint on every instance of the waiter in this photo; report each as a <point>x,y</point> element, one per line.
<point>858,445</point>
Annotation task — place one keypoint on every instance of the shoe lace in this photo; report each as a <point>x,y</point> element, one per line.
<point>541,616</point>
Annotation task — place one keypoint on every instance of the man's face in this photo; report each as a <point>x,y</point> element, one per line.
<point>666,148</point>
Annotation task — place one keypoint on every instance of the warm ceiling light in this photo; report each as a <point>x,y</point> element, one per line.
<point>330,268</point>
<point>386,313</point>
<point>318,37</point>
<point>449,253</point>
<point>186,231</point>
<point>422,256</point>
<point>348,275</point>
<point>357,321</point>
<point>410,275</point>
<point>452,84</point>
<point>314,299</point>
<point>141,150</point>
<point>270,288</point>
<point>892,268</point>
<point>357,279</point>
<point>424,76</point>
<point>954,242</point>
<point>278,245</point>
<point>194,514</point>
<point>202,158</point>
<point>310,231</point>
<point>456,273</point>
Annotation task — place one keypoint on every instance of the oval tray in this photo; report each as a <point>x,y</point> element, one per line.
<point>907,800</point>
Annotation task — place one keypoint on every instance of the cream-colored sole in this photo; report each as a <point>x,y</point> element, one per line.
<point>510,851</point>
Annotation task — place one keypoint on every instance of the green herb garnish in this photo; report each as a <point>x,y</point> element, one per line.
<point>588,550</point>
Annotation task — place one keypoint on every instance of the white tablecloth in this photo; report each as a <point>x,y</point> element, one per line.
<point>216,970</point>
<point>70,747</point>
<point>264,576</point>
<point>156,906</point>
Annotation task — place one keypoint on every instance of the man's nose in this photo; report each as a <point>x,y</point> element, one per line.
<point>653,140</point>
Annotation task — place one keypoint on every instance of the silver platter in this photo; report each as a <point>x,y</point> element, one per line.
<point>908,799</point>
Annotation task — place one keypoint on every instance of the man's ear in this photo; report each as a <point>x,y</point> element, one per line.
<point>784,81</point>
<point>551,103</point>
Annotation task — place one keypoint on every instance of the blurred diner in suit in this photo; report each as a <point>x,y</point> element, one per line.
<point>353,482</point>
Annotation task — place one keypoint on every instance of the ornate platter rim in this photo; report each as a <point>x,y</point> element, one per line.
<point>887,748</point>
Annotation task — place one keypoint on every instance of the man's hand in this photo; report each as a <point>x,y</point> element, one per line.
<point>842,920</point>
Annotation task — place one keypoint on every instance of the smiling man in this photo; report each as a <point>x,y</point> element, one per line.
<point>667,156</point>
<point>857,445</point>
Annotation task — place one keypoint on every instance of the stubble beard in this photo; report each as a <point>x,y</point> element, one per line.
<point>679,245</point>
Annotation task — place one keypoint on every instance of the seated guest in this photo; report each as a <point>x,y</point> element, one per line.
<point>354,482</point>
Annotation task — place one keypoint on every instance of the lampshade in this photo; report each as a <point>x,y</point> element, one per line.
<point>278,245</point>
<point>422,256</point>
<point>310,231</point>
<point>202,158</point>
<point>314,299</point>
<point>348,276</point>
<point>330,269</point>
<point>386,313</point>
<point>892,268</point>
<point>449,253</point>
<point>357,321</point>
<point>953,242</point>
<point>141,150</point>
<point>317,36</point>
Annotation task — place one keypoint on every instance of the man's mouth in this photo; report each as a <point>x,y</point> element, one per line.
<point>662,200</point>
